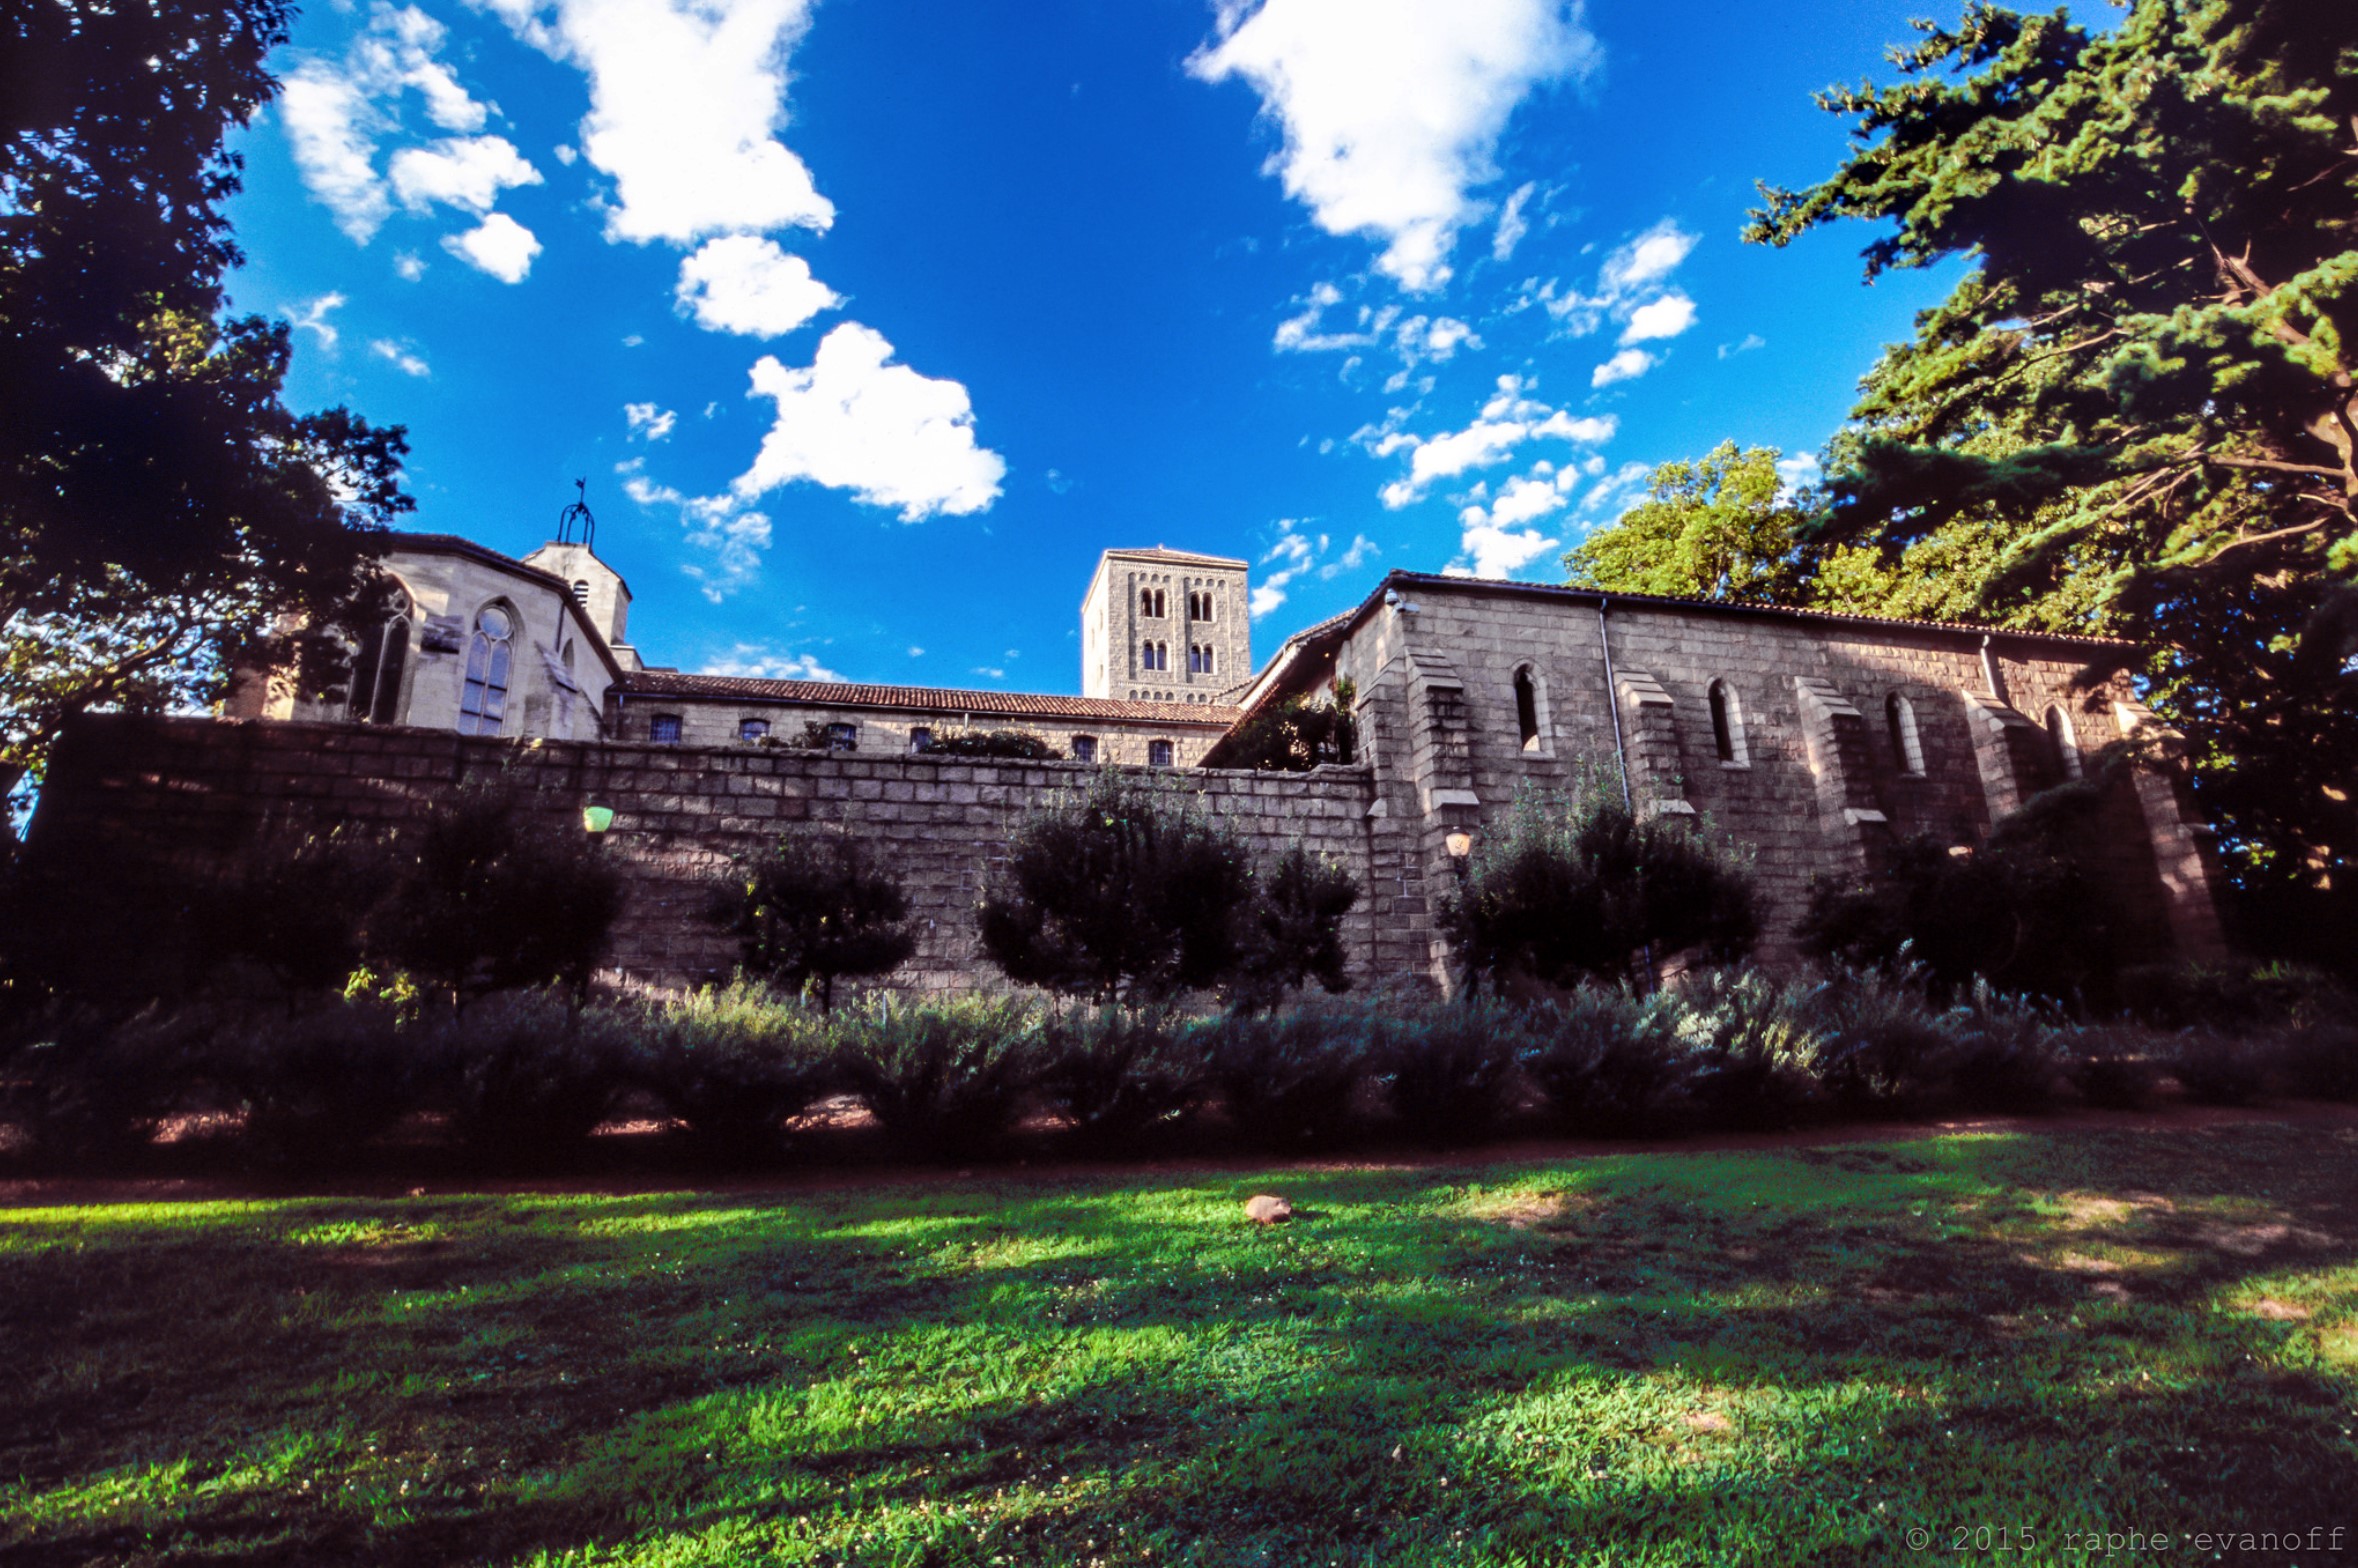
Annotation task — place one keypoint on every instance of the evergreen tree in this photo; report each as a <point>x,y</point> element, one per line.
<point>813,909</point>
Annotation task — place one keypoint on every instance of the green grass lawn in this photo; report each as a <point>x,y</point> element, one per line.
<point>1779,1358</point>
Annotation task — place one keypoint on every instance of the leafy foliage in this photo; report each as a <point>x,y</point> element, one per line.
<point>526,1076</point>
<point>1294,929</point>
<point>1452,1068</point>
<point>162,513</point>
<point>1719,527</point>
<point>297,904</point>
<point>1122,1074</point>
<point>734,1064</point>
<point>814,909</point>
<point>1021,745</point>
<point>946,1080</point>
<point>1121,889</point>
<point>1572,887</point>
<point>1610,1064</point>
<point>1292,1080</point>
<point>1296,734</point>
<point>320,1083</point>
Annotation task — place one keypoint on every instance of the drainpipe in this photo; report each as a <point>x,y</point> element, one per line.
<point>1620,747</point>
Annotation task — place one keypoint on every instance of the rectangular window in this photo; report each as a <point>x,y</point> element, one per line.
<point>1084,748</point>
<point>664,729</point>
<point>752,729</point>
<point>920,741</point>
<point>843,737</point>
<point>1158,753</point>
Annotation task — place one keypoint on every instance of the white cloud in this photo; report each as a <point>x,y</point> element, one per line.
<point>459,171</point>
<point>1506,421</point>
<point>314,319</point>
<point>649,421</point>
<point>335,111</point>
<point>410,265</point>
<point>498,245</point>
<point>1521,500</point>
<point>1627,365</point>
<point>1350,560</point>
<point>1612,494</point>
<point>1799,470</point>
<point>1492,551</point>
<point>1303,334</point>
<point>1586,430</point>
<point>1296,554</point>
<point>990,672</point>
<point>399,358</point>
<point>1751,341</point>
<point>916,652</point>
<point>1512,225</point>
<point>1496,541</point>
<point>1665,317</point>
<point>1392,109</point>
<point>755,661</point>
<point>853,421</point>
<point>1648,259</point>
<point>686,100</point>
<point>1446,456</point>
<point>745,284</point>
<point>718,525</point>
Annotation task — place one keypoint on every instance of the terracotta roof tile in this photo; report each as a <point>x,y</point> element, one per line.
<point>922,699</point>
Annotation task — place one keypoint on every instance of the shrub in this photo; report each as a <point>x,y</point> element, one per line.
<point>1881,1043</point>
<point>2010,1054</point>
<point>1451,1068</point>
<point>487,899</point>
<point>88,1088</point>
<point>319,1083</point>
<point>735,1064</point>
<point>1573,888</point>
<point>1121,1074</point>
<point>297,905</point>
<point>1295,735</point>
<point>2113,1073</point>
<point>813,909</point>
<point>946,1079</point>
<point>1612,1065</point>
<point>2320,1060</point>
<point>1294,929</point>
<point>1756,1041</point>
<point>525,1077</point>
<point>1291,1080</point>
<point>1122,890</point>
<point>2234,996</point>
<point>1021,745</point>
<point>2218,1069</point>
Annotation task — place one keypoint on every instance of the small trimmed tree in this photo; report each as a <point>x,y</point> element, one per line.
<point>812,909</point>
<point>1576,885</point>
<point>1294,928</point>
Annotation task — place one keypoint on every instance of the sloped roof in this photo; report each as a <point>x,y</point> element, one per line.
<point>921,699</point>
<point>1189,557</point>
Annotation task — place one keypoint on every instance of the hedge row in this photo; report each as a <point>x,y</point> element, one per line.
<point>522,1078</point>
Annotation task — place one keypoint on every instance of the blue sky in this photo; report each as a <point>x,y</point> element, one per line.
<point>869,324</point>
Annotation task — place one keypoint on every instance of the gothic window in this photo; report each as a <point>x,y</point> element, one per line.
<point>1207,617</point>
<point>920,741</point>
<point>1907,751</point>
<point>375,695</point>
<point>1527,709</point>
<point>1158,753</point>
<point>483,701</point>
<point>843,737</point>
<point>752,729</point>
<point>2063,744</point>
<point>1727,724</point>
<point>1150,603</point>
<point>664,729</point>
<point>1084,748</point>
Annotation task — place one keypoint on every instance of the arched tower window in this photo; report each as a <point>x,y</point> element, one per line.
<point>375,694</point>
<point>1899,718</point>
<point>1727,724</point>
<point>491,653</point>
<point>2063,744</point>
<point>1527,709</point>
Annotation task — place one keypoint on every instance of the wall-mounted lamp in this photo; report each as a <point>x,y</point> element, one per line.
<point>597,819</point>
<point>1459,843</point>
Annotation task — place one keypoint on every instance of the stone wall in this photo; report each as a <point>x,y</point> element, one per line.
<point>178,793</point>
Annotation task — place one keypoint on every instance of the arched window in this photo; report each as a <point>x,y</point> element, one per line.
<point>1527,709</point>
<point>1208,669</point>
<point>1150,603</point>
<point>375,695</point>
<point>1207,617</point>
<point>581,592</point>
<point>1158,753</point>
<point>2063,744</point>
<point>1899,717</point>
<point>752,729</point>
<point>483,702</point>
<point>1084,748</point>
<point>1727,724</point>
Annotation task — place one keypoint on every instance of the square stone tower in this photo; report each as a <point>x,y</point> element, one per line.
<point>1165,626</point>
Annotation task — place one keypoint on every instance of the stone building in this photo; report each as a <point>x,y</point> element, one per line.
<point>1814,740</point>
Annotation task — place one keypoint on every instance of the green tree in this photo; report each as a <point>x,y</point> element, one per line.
<point>813,909</point>
<point>1294,928</point>
<point>2138,412</point>
<point>1295,735</point>
<point>1723,526</point>
<point>162,513</point>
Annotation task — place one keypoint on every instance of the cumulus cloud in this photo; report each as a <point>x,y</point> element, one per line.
<point>335,111</point>
<point>1627,365</point>
<point>410,265</point>
<point>758,661</point>
<point>1497,540</point>
<point>1296,554</point>
<point>1650,257</point>
<point>498,245</point>
<point>1798,471</point>
<point>314,319</point>
<point>1665,317</point>
<point>459,171</point>
<point>729,534</point>
<point>1391,110</point>
<point>686,101</point>
<point>399,357</point>
<point>648,421</point>
<point>1510,418</point>
<point>745,284</point>
<point>852,420</point>
<point>1492,551</point>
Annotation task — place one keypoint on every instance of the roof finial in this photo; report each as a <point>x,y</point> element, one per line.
<point>578,512</point>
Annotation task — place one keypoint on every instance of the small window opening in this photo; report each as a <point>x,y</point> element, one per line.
<point>1527,710</point>
<point>376,671</point>
<point>1727,723</point>
<point>664,729</point>
<point>752,729</point>
<point>581,592</point>
<point>1158,753</point>
<point>920,740</point>
<point>1907,751</point>
<point>483,701</point>
<point>2063,744</point>
<point>843,737</point>
<point>1084,748</point>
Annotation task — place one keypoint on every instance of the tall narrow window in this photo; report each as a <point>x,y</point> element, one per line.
<point>483,702</point>
<point>2064,745</point>
<point>1158,753</point>
<point>1084,748</point>
<point>664,729</point>
<point>375,696</point>
<point>581,592</point>
<point>1727,723</point>
<point>1899,717</point>
<point>1208,670</point>
<point>1207,617</point>
<point>1527,709</point>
